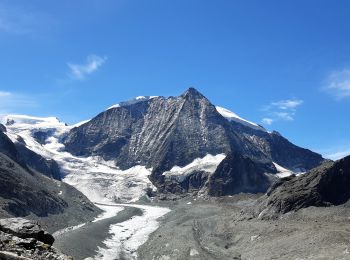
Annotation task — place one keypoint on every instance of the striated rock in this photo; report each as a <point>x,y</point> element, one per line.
<point>164,132</point>
<point>325,185</point>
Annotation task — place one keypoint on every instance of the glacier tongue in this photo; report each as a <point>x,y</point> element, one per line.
<point>99,180</point>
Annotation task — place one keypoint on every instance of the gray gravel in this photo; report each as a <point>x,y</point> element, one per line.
<point>221,229</point>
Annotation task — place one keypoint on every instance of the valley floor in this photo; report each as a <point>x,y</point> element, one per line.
<point>218,229</point>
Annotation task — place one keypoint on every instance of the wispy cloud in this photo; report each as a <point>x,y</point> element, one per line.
<point>267,121</point>
<point>338,84</point>
<point>287,104</point>
<point>336,153</point>
<point>92,64</point>
<point>11,102</point>
<point>284,110</point>
<point>15,19</point>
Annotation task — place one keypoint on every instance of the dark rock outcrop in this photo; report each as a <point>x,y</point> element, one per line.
<point>238,173</point>
<point>24,228</point>
<point>48,167</point>
<point>191,183</point>
<point>325,185</point>
<point>22,239</point>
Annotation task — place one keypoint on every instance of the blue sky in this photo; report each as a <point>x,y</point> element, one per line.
<point>283,64</point>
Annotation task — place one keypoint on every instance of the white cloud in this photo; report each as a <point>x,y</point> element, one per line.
<point>338,84</point>
<point>282,110</point>
<point>11,102</point>
<point>267,121</point>
<point>287,116</point>
<point>287,104</point>
<point>80,71</point>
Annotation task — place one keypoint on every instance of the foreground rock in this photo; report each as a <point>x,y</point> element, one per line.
<point>24,239</point>
<point>325,185</point>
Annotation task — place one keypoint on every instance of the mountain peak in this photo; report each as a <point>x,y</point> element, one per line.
<point>192,92</point>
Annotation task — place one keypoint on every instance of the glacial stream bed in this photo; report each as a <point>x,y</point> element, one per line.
<point>111,237</point>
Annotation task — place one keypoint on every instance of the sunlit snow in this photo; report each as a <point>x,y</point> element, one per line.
<point>229,115</point>
<point>132,101</point>
<point>208,163</point>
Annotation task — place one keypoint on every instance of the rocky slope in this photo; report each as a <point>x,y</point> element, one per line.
<point>325,185</point>
<point>163,133</point>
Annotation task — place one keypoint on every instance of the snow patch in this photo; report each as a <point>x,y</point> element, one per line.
<point>231,116</point>
<point>193,252</point>
<point>208,163</point>
<point>132,101</point>
<point>282,172</point>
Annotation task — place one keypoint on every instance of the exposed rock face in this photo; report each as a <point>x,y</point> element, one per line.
<point>21,239</point>
<point>23,192</point>
<point>236,174</point>
<point>191,183</point>
<point>164,132</point>
<point>325,185</point>
<point>48,167</point>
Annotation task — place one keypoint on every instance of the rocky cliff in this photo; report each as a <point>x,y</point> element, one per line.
<point>325,185</point>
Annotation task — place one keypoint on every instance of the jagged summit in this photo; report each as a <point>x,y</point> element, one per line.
<point>194,93</point>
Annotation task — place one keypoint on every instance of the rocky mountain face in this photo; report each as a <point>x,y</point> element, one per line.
<point>238,173</point>
<point>325,185</point>
<point>22,239</point>
<point>163,132</point>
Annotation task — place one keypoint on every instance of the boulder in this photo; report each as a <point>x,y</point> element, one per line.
<point>23,228</point>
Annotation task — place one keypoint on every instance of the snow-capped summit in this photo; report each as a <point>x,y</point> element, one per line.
<point>231,116</point>
<point>30,120</point>
<point>132,101</point>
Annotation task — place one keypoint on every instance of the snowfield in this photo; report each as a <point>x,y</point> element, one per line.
<point>231,116</point>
